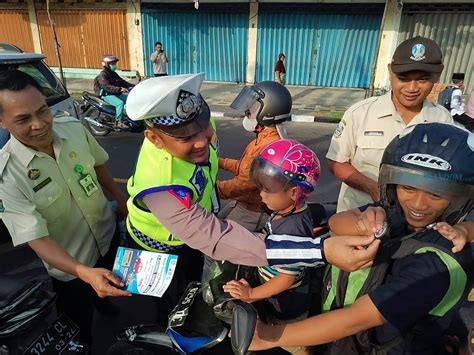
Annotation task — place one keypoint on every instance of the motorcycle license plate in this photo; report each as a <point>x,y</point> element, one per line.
<point>54,339</point>
<point>180,312</point>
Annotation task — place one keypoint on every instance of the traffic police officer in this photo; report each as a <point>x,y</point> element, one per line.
<point>179,156</point>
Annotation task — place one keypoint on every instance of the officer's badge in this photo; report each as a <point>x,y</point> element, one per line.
<point>198,180</point>
<point>33,174</point>
<point>188,105</point>
<point>418,52</point>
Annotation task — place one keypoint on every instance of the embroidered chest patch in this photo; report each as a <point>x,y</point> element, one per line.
<point>198,180</point>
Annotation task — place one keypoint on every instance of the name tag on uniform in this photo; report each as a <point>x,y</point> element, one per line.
<point>88,184</point>
<point>42,184</point>
<point>373,133</point>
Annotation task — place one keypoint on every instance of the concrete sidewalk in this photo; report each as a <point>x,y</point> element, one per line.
<point>310,103</point>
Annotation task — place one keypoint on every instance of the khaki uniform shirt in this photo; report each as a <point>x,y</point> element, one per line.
<point>41,196</point>
<point>365,130</point>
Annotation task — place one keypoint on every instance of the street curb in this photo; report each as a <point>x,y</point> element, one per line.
<point>294,118</point>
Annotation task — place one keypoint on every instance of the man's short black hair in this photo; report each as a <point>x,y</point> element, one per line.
<point>16,80</point>
<point>457,78</point>
<point>158,43</point>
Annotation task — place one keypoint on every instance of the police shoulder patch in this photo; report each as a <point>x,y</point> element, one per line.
<point>182,194</point>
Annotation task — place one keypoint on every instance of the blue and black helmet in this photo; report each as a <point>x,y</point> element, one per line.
<point>435,157</point>
<point>269,101</point>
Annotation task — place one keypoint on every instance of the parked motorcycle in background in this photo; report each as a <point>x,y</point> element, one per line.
<point>29,323</point>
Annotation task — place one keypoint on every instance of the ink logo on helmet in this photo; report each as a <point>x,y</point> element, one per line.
<point>427,161</point>
<point>418,52</point>
<point>188,105</point>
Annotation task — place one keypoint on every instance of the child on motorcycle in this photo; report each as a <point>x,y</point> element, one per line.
<point>285,172</point>
<point>112,88</point>
<point>267,106</point>
<point>406,300</point>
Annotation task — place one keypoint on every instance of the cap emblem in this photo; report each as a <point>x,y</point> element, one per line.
<point>418,52</point>
<point>188,105</point>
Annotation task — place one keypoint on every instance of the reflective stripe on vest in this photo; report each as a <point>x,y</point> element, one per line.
<point>457,277</point>
<point>457,281</point>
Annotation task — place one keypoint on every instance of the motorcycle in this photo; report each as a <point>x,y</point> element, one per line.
<point>29,324</point>
<point>99,117</point>
<point>199,324</point>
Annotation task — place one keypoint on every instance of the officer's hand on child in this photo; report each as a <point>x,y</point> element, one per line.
<point>456,234</point>
<point>371,221</point>
<point>239,289</point>
<point>103,281</point>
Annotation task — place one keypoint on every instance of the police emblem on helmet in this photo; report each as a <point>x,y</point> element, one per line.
<point>418,52</point>
<point>188,105</point>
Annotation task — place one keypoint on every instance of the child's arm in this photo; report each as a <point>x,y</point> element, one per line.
<point>321,329</point>
<point>228,164</point>
<point>459,234</point>
<point>355,222</point>
<point>241,289</point>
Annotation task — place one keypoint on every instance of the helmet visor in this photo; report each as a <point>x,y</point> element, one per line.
<point>268,177</point>
<point>247,98</point>
<point>440,185</point>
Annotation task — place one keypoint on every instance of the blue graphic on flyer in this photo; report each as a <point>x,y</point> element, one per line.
<point>144,272</point>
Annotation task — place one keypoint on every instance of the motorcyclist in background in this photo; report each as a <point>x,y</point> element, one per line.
<point>112,88</point>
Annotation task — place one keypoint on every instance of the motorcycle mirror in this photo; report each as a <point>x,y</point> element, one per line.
<point>244,320</point>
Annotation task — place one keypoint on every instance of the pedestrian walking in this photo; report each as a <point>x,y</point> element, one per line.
<point>280,70</point>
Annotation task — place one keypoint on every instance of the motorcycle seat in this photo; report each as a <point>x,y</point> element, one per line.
<point>97,101</point>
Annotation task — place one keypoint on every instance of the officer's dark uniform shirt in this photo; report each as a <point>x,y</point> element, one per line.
<point>414,285</point>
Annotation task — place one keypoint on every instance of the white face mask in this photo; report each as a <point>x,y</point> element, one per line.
<point>249,124</point>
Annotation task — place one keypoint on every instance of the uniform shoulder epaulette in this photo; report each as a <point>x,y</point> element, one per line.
<point>364,102</point>
<point>4,156</point>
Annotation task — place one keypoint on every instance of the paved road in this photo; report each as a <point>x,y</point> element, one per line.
<point>123,149</point>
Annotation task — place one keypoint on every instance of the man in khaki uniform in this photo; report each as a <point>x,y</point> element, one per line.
<point>368,126</point>
<point>50,196</point>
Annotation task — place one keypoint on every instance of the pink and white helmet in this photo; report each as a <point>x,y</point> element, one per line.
<point>284,161</point>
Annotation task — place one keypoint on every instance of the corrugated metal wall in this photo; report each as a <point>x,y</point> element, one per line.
<point>84,36</point>
<point>325,45</point>
<point>212,40</point>
<point>452,27</point>
<point>15,29</point>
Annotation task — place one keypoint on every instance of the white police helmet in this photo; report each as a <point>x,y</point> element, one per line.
<point>171,104</point>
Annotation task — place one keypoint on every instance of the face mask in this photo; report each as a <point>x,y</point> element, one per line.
<point>249,124</point>
<point>113,67</point>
